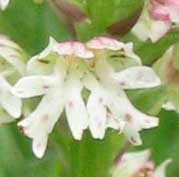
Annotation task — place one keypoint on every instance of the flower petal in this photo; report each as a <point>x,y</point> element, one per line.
<point>39,145</point>
<point>3,4</point>
<point>174,14</point>
<point>104,71</point>
<point>135,160</point>
<point>130,163</point>
<point>13,57</point>
<point>43,62</point>
<point>6,42</point>
<point>41,122</point>
<point>135,122</point>
<point>169,106</point>
<point>137,77</point>
<point>77,49</point>
<point>120,107</point>
<point>31,86</point>
<point>159,29</point>
<point>74,105</point>
<point>114,123</point>
<point>160,171</point>
<point>8,101</point>
<point>132,136</point>
<point>105,43</point>
<point>97,115</point>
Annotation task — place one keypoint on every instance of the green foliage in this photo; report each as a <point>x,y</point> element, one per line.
<point>104,13</point>
<point>95,158</point>
<point>148,100</point>
<point>163,141</point>
<point>176,56</point>
<point>31,25</point>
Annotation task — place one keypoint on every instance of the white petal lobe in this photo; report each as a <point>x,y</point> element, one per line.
<point>97,115</point>
<point>39,145</point>
<point>75,108</point>
<point>137,77</point>
<point>31,86</point>
<point>160,171</point>
<point>8,101</point>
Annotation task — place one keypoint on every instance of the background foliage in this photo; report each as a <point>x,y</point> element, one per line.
<point>30,25</point>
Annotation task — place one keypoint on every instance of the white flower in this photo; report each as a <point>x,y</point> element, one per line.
<point>61,86</point>
<point>63,70</point>
<point>157,19</point>
<point>3,4</point>
<point>136,164</point>
<point>107,95</point>
<point>11,68</point>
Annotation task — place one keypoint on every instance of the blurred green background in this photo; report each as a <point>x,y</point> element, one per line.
<point>30,25</point>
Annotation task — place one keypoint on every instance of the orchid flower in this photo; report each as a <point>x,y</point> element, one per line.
<point>168,73</point>
<point>12,67</point>
<point>58,71</point>
<point>137,164</point>
<point>109,89</point>
<point>63,70</point>
<point>156,19</point>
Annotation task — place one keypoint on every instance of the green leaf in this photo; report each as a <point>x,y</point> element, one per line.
<point>104,13</point>
<point>30,25</point>
<point>176,55</point>
<point>164,142</point>
<point>94,158</point>
<point>150,52</point>
<point>148,100</point>
<point>17,159</point>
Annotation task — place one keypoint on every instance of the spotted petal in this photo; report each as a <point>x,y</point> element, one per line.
<point>135,120</point>
<point>41,122</point>
<point>131,163</point>
<point>74,105</point>
<point>39,145</point>
<point>31,86</point>
<point>97,115</point>
<point>137,77</point>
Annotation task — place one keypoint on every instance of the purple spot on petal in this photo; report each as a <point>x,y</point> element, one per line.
<point>45,118</point>
<point>128,118</point>
<point>70,104</point>
<point>46,87</point>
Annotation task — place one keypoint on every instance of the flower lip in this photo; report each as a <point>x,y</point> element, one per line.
<point>104,43</point>
<point>74,48</point>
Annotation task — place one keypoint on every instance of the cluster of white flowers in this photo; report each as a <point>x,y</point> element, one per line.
<point>104,68</point>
